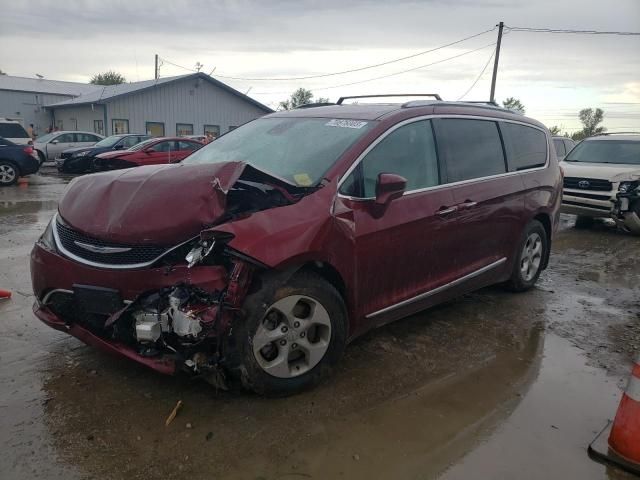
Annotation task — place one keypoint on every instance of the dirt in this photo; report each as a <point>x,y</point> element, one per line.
<point>492,385</point>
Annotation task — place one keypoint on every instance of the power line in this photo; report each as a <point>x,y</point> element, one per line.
<point>561,30</point>
<point>479,76</point>
<point>359,69</point>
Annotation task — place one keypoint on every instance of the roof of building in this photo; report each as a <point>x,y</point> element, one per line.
<point>110,92</point>
<point>43,85</point>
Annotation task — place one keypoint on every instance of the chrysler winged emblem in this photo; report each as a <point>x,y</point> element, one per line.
<point>98,249</point>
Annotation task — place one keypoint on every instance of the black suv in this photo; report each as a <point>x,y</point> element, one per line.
<point>80,159</point>
<point>16,161</point>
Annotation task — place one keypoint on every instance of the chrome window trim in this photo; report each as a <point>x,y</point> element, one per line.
<point>437,290</point>
<point>452,184</point>
<point>78,259</point>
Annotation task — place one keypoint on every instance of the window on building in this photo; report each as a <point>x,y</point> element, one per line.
<point>232,127</point>
<point>98,127</point>
<point>408,151</point>
<point>59,125</point>
<point>184,129</point>
<point>119,125</point>
<point>213,130</point>
<point>526,146</point>
<point>470,148</point>
<point>155,129</point>
<point>74,123</point>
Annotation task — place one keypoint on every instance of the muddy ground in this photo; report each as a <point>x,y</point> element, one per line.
<point>493,385</point>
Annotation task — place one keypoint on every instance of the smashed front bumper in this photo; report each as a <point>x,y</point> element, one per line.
<point>627,207</point>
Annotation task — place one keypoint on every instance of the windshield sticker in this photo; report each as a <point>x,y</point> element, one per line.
<point>303,179</point>
<point>345,123</point>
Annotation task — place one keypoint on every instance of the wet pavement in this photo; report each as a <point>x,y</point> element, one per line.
<point>492,385</point>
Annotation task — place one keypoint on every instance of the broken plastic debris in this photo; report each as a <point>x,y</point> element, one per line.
<point>173,413</point>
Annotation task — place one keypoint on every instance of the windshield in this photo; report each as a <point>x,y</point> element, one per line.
<point>46,138</point>
<point>109,141</point>
<point>606,151</point>
<point>299,150</point>
<point>142,145</point>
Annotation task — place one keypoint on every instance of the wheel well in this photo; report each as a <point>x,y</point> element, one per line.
<point>330,274</point>
<point>544,219</point>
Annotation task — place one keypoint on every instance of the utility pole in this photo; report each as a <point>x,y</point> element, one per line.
<point>155,75</point>
<point>492,96</point>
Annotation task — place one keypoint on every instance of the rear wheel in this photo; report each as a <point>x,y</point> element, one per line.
<point>291,336</point>
<point>8,173</point>
<point>533,250</point>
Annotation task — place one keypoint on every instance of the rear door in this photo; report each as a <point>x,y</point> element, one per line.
<point>185,148</point>
<point>489,202</point>
<point>398,251</point>
<point>85,139</point>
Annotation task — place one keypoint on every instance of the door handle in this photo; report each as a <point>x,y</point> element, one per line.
<point>444,211</point>
<point>467,204</point>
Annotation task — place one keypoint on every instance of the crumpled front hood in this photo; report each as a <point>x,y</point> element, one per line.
<point>156,204</point>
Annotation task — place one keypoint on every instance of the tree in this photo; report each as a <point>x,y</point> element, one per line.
<point>301,96</point>
<point>555,130</point>
<point>514,104</point>
<point>107,78</point>
<point>590,119</point>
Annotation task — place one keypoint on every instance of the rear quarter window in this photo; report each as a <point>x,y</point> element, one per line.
<point>526,146</point>
<point>470,148</point>
<point>12,130</point>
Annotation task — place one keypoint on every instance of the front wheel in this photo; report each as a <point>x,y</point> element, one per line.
<point>292,335</point>
<point>8,174</point>
<point>533,249</point>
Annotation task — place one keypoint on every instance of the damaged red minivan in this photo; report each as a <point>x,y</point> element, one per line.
<point>256,260</point>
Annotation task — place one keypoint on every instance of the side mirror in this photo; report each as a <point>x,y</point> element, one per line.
<point>55,142</point>
<point>118,147</point>
<point>389,187</point>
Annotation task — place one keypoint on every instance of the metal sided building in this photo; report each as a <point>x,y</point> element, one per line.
<point>182,105</point>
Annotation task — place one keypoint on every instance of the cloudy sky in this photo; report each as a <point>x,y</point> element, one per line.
<point>554,75</point>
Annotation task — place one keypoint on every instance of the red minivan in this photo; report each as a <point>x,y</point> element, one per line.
<point>256,260</point>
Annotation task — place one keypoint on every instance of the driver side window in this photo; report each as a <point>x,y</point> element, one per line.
<point>408,151</point>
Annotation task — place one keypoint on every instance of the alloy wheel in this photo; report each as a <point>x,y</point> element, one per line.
<point>7,174</point>
<point>293,336</point>
<point>531,257</point>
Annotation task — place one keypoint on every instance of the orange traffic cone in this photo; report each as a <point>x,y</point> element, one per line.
<point>623,445</point>
<point>5,294</point>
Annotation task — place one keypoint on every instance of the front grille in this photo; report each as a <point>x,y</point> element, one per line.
<point>592,196</point>
<point>136,255</point>
<point>591,184</point>
<point>586,205</point>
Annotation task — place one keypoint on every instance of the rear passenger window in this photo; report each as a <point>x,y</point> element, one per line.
<point>568,144</point>
<point>470,148</point>
<point>559,146</point>
<point>408,151</point>
<point>526,146</point>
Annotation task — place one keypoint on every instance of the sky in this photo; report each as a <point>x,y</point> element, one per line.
<point>553,75</point>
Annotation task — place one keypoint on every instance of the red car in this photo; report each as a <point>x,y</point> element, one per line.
<point>154,151</point>
<point>256,260</point>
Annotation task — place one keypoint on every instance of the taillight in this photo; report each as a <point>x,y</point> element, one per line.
<point>28,150</point>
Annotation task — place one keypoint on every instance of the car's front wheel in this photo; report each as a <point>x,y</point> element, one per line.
<point>531,254</point>
<point>291,336</point>
<point>8,173</point>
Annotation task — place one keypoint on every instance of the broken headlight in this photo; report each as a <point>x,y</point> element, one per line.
<point>199,251</point>
<point>627,187</point>
<point>47,240</point>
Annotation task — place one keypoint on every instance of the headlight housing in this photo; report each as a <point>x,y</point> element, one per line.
<point>628,187</point>
<point>47,239</point>
<point>82,154</point>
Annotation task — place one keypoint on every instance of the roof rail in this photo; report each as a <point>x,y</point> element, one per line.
<point>313,105</point>
<point>434,95</point>
<point>486,102</point>
<point>615,133</point>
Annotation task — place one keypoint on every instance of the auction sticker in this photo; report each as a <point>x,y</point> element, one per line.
<point>345,123</point>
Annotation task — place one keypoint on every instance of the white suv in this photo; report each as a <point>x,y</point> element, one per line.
<point>602,178</point>
<point>13,131</point>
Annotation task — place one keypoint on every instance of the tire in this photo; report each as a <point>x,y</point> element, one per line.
<point>277,355</point>
<point>41,157</point>
<point>532,250</point>
<point>583,222</point>
<point>9,173</point>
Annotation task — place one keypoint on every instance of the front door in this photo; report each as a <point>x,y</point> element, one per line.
<point>399,250</point>
<point>161,152</point>
<point>57,145</point>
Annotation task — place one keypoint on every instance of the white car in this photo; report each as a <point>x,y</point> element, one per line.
<point>51,145</point>
<point>13,131</point>
<point>602,179</point>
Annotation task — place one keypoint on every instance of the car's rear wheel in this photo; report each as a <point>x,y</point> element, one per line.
<point>531,255</point>
<point>8,173</point>
<point>291,335</point>
<point>584,222</point>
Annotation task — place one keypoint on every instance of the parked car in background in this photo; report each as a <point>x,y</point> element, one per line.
<point>16,161</point>
<point>259,257</point>
<point>80,159</point>
<point>563,146</point>
<point>157,150</point>
<point>602,179</point>
<point>200,138</point>
<point>13,131</point>
<point>51,145</point>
